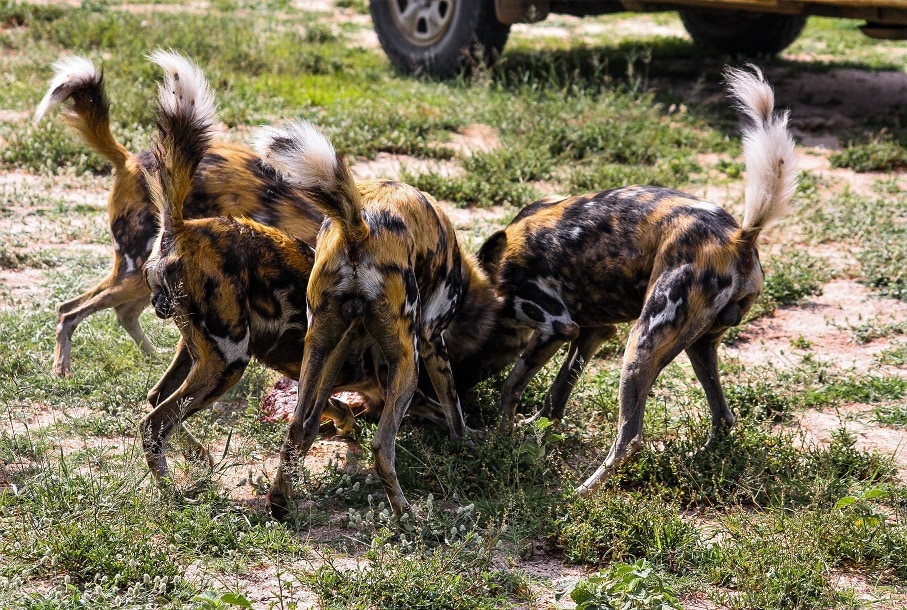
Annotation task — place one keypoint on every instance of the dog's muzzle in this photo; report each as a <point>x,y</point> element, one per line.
<point>163,305</point>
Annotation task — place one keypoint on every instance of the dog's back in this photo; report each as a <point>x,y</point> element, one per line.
<point>597,252</point>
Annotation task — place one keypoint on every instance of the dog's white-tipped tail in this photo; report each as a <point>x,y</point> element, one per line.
<point>186,115</point>
<point>768,150</point>
<point>71,74</point>
<point>306,158</point>
<point>77,80</point>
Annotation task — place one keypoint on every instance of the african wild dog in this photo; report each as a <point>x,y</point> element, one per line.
<point>235,287</point>
<point>238,289</point>
<point>230,181</point>
<point>388,279</point>
<point>571,268</point>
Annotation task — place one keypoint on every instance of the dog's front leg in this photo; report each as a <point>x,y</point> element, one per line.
<point>541,349</point>
<point>205,383</point>
<point>703,356</point>
<point>128,317</point>
<point>174,376</point>
<point>581,350</point>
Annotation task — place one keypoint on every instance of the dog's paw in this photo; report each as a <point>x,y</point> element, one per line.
<point>278,504</point>
<point>476,434</point>
<point>62,369</point>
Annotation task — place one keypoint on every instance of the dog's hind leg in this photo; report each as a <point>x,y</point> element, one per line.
<point>326,346</point>
<point>665,327</point>
<point>113,291</point>
<point>402,381</point>
<point>703,356</point>
<point>581,350</point>
<point>128,315</point>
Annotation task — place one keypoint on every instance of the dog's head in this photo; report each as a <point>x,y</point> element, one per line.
<point>158,270</point>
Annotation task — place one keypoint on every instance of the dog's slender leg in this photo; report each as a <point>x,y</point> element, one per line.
<point>665,327</point>
<point>581,350</point>
<point>703,356</point>
<point>398,343</point>
<point>110,292</point>
<point>128,316</point>
<point>204,384</point>
<point>173,378</point>
<point>540,350</point>
<point>402,380</point>
<point>326,345</point>
<point>437,364</point>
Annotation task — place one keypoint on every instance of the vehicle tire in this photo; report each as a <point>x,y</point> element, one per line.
<point>743,32</point>
<point>438,37</point>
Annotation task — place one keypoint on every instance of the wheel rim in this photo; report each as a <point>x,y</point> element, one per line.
<point>422,22</point>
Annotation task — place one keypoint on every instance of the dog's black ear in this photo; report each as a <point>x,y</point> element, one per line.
<point>490,253</point>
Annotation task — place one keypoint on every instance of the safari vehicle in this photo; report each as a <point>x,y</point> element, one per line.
<point>442,37</point>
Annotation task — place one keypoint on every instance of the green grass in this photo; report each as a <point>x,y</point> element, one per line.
<point>82,525</point>
<point>874,225</point>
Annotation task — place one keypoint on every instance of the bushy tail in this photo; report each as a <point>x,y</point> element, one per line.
<point>768,150</point>
<point>77,80</point>
<point>307,159</point>
<point>185,120</point>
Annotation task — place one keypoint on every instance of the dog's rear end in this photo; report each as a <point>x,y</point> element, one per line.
<point>387,280</point>
<point>230,180</point>
<point>571,268</point>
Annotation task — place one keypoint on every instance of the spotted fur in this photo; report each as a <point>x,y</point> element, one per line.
<point>230,180</point>
<point>570,268</point>
<point>224,280</point>
<point>387,281</point>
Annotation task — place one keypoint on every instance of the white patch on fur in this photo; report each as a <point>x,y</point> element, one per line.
<point>69,74</point>
<point>552,288</point>
<point>185,91</point>
<point>233,351</point>
<point>301,153</point>
<point>436,308</point>
<point>666,315</point>
<point>705,206</point>
<point>363,280</point>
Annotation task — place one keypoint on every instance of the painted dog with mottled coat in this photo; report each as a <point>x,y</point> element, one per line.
<point>238,289</point>
<point>570,268</point>
<point>388,279</point>
<point>230,181</point>
<point>235,287</point>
